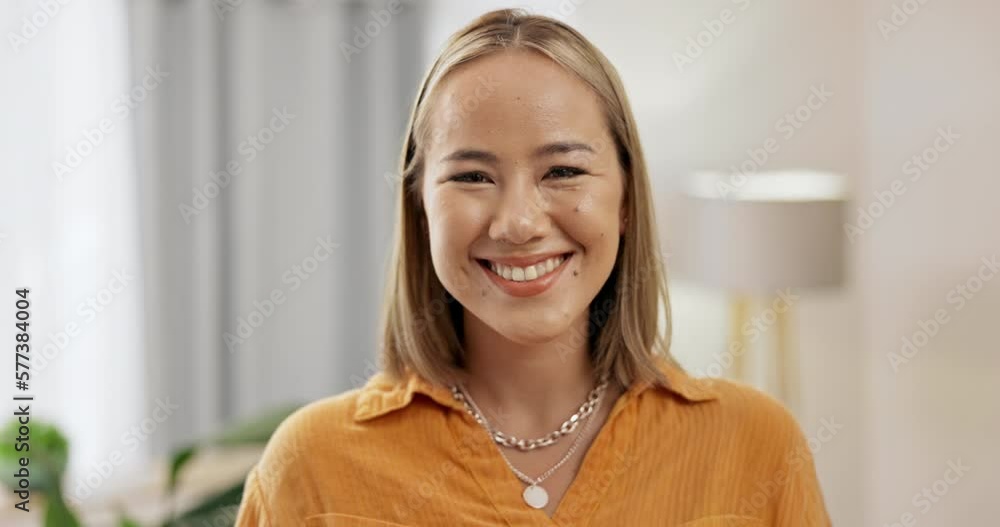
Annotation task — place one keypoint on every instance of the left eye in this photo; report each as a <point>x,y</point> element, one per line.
<point>469,177</point>
<point>564,172</point>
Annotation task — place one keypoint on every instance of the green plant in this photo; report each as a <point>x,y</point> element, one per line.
<point>46,463</point>
<point>253,432</point>
<point>50,452</point>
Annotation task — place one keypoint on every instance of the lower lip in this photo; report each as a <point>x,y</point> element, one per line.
<point>529,288</point>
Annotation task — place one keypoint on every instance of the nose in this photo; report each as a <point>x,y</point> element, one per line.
<point>522,215</point>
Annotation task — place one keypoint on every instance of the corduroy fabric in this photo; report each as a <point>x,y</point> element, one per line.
<point>702,453</point>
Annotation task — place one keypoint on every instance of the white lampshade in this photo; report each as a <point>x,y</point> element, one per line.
<point>759,233</point>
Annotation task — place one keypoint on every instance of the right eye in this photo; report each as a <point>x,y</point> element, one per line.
<point>469,177</point>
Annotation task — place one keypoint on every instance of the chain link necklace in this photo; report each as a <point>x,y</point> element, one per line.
<point>534,495</point>
<point>567,427</point>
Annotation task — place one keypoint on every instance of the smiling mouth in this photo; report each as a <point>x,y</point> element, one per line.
<point>526,274</point>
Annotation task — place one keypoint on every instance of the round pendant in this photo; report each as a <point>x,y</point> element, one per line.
<point>536,496</point>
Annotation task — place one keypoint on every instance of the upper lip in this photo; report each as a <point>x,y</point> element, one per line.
<point>525,260</point>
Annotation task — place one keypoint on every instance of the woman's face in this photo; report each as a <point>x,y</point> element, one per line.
<point>523,194</point>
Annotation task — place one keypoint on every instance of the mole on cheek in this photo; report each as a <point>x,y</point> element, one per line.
<point>484,292</point>
<point>575,272</point>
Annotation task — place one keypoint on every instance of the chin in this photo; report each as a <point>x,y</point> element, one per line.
<point>531,331</point>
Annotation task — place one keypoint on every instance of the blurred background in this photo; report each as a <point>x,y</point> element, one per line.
<point>198,195</point>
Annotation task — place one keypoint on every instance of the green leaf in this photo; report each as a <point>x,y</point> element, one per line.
<point>48,456</point>
<point>128,522</point>
<point>253,431</point>
<point>179,459</point>
<point>256,431</point>
<point>58,515</point>
<point>221,505</point>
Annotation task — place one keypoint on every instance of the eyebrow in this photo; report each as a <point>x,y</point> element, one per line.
<point>563,147</point>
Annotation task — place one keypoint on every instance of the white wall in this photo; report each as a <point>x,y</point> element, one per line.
<point>705,115</point>
<point>66,238</point>
<point>902,428</point>
<point>939,70</point>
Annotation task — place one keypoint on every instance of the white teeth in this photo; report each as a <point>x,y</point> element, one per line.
<point>524,274</point>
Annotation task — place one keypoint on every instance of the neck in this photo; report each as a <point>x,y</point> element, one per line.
<point>527,390</point>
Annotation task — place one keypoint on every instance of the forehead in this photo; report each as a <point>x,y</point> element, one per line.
<point>513,101</point>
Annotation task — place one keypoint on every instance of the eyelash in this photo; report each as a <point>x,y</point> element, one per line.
<point>572,172</point>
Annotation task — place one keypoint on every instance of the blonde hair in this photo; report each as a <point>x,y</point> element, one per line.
<point>623,333</point>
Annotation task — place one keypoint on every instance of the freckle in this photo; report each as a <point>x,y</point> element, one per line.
<point>484,292</point>
<point>575,272</point>
<point>602,235</point>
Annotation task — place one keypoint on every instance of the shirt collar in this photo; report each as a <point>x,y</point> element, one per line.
<point>380,395</point>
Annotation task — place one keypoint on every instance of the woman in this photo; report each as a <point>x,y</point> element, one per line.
<point>525,379</point>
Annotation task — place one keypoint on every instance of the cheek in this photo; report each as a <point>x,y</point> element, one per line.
<point>454,221</point>
<point>592,219</point>
<point>452,228</point>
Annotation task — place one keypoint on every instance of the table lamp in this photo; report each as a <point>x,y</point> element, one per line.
<point>754,235</point>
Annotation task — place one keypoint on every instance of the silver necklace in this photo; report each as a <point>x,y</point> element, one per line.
<point>567,427</point>
<point>534,495</point>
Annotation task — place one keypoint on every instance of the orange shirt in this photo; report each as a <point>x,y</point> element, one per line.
<point>703,453</point>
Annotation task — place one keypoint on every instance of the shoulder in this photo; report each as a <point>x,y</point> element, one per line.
<point>281,488</point>
<point>709,403</point>
<point>732,416</point>
<point>321,416</point>
<point>328,430</point>
<point>766,456</point>
<point>329,451</point>
<point>742,406</point>
<point>740,446</point>
<point>311,454</point>
<point>305,430</point>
